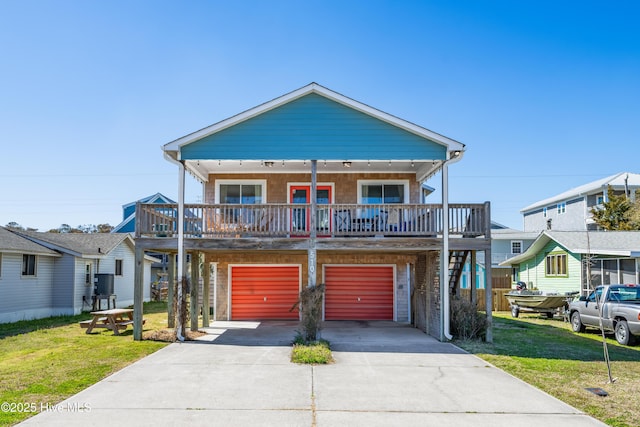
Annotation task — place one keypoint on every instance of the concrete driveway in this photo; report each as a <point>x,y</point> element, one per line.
<point>240,375</point>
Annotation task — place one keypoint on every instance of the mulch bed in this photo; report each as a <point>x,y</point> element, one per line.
<point>169,335</point>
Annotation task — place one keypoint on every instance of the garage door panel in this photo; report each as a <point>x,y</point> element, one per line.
<point>264,292</point>
<point>359,292</point>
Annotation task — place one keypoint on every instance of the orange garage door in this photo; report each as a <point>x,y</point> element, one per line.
<point>264,292</point>
<point>358,292</point>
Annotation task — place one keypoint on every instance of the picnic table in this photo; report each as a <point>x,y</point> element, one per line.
<point>113,319</point>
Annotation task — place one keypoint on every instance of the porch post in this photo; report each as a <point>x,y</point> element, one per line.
<point>473,279</point>
<point>171,290</point>
<point>311,252</point>
<point>488,296</point>
<point>182,277</point>
<point>206,284</point>
<point>444,257</point>
<point>195,287</point>
<point>138,293</point>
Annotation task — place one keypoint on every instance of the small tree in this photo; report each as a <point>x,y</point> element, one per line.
<point>615,212</point>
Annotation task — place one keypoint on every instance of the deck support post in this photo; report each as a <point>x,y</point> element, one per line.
<point>171,290</point>
<point>195,287</point>
<point>488,276</point>
<point>182,256</point>
<point>206,285</point>
<point>473,293</point>
<point>311,252</point>
<point>138,293</point>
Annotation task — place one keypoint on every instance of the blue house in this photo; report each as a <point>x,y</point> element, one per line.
<point>315,187</point>
<point>128,224</point>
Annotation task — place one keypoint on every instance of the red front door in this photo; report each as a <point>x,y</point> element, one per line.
<point>301,194</point>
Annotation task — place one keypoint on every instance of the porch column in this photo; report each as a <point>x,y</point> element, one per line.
<point>171,286</point>
<point>138,293</point>
<point>206,284</point>
<point>473,279</point>
<point>444,257</point>
<point>488,296</point>
<point>311,252</point>
<point>182,277</point>
<point>195,285</point>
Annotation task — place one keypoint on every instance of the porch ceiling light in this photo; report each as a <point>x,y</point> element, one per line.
<point>268,164</point>
<point>346,164</point>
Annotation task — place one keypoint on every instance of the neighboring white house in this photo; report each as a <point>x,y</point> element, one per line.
<point>47,274</point>
<point>571,210</point>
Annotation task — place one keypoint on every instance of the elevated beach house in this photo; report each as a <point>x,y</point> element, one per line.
<point>314,187</point>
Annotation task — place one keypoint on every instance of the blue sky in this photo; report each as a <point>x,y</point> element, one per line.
<point>545,94</point>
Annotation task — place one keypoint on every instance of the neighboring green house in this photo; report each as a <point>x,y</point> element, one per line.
<point>557,261</point>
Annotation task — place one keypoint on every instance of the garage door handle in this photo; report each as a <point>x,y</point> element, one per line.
<point>265,299</point>
<point>358,299</point>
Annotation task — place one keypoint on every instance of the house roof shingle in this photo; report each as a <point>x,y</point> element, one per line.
<point>613,243</point>
<point>13,243</point>
<point>82,244</point>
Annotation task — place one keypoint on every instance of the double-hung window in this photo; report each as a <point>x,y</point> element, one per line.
<point>562,208</point>
<point>516,247</point>
<point>556,265</point>
<point>28,265</point>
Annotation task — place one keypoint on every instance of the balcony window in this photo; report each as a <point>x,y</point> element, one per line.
<point>383,192</point>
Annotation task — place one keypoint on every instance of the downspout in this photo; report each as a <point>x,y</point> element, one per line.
<point>181,257</point>
<point>444,258</point>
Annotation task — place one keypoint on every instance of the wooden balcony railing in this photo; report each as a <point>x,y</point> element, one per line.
<point>293,220</point>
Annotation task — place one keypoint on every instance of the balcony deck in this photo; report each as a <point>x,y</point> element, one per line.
<point>290,224</point>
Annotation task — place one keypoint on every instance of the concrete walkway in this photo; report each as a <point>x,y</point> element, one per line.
<point>240,375</point>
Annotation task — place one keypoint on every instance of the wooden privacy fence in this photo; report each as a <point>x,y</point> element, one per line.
<point>500,303</point>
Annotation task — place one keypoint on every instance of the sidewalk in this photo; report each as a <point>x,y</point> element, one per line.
<point>384,375</point>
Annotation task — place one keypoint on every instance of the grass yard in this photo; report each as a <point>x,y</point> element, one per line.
<point>547,354</point>
<point>45,361</point>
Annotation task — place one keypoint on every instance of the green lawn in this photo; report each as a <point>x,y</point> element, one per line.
<point>547,354</point>
<point>45,361</point>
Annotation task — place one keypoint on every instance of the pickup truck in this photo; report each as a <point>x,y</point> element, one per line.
<point>620,309</point>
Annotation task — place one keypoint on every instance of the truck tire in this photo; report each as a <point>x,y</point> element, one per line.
<point>576,323</point>
<point>623,336</point>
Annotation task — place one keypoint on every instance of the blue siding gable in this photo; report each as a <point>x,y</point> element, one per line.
<point>313,127</point>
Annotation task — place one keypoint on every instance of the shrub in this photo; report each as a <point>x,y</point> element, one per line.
<point>316,352</point>
<point>466,322</point>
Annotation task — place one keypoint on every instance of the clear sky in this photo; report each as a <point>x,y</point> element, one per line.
<point>545,94</point>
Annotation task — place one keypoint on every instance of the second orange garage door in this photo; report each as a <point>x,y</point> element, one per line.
<point>358,292</point>
<point>264,292</point>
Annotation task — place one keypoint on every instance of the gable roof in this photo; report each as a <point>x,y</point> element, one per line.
<point>84,245</point>
<point>127,223</point>
<point>616,181</point>
<point>312,122</point>
<point>10,242</point>
<point>155,198</point>
<point>612,243</point>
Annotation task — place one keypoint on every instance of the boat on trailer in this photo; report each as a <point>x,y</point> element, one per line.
<point>523,299</point>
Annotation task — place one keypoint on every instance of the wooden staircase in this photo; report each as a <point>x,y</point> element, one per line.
<point>457,259</point>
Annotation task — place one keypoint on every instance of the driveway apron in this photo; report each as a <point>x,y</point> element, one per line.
<point>384,374</point>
